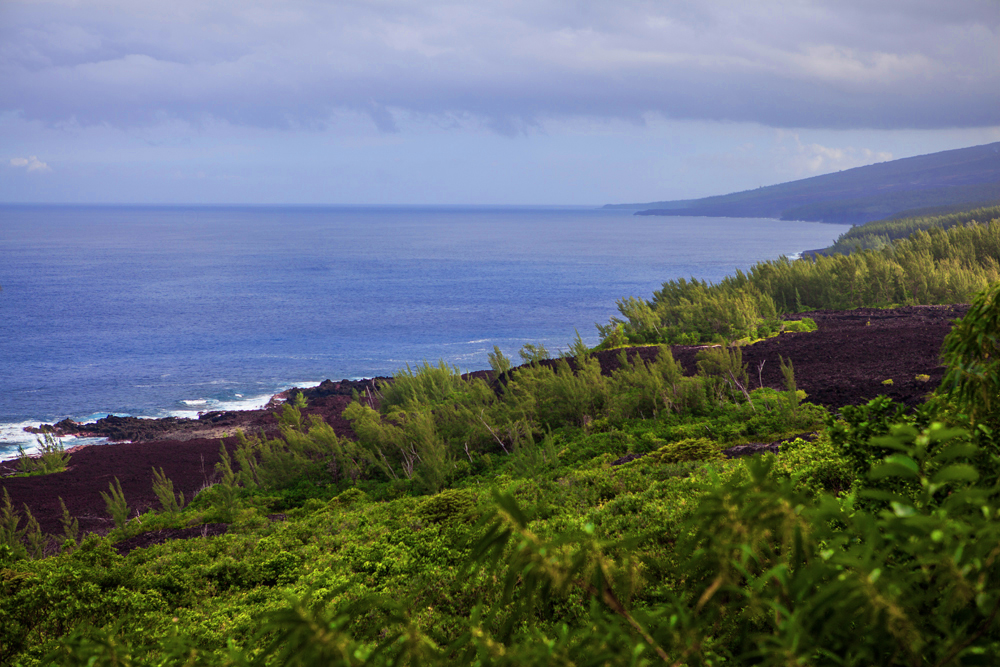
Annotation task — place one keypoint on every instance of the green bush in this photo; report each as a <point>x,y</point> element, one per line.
<point>643,390</point>
<point>815,467</point>
<point>853,432</point>
<point>803,325</point>
<point>350,497</point>
<point>499,362</point>
<point>11,535</point>
<point>557,394</point>
<point>116,504</point>
<point>689,449</point>
<point>972,354</point>
<point>724,372</point>
<point>52,457</point>
<point>532,354</point>
<point>425,385</point>
<point>404,445</point>
<point>449,506</point>
<point>163,487</point>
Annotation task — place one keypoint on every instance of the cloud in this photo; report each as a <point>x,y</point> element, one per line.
<point>819,159</point>
<point>32,163</point>
<point>808,159</point>
<point>382,117</point>
<point>293,63</point>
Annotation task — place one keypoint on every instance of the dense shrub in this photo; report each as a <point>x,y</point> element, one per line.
<point>448,506</point>
<point>936,266</point>
<point>52,457</point>
<point>880,233</point>
<point>815,467</point>
<point>689,449</point>
<point>972,354</point>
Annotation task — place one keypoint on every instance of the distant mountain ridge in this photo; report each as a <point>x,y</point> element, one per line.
<point>964,177</point>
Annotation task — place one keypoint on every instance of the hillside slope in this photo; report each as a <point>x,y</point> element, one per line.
<point>962,177</point>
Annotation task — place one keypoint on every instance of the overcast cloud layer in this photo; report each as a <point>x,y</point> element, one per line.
<point>837,64</point>
<point>182,69</point>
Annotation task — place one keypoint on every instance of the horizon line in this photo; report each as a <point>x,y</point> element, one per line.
<point>294,205</point>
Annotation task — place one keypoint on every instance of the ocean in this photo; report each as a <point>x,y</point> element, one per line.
<point>172,310</point>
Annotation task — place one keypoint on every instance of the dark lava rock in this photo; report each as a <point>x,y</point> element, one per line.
<point>751,449</point>
<point>625,459</point>
<point>342,388</point>
<point>153,537</point>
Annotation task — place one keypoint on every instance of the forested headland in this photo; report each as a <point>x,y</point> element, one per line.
<point>946,260</point>
<point>555,514</point>
<point>880,233</point>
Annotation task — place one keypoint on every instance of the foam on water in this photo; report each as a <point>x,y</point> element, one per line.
<point>13,436</point>
<point>195,406</point>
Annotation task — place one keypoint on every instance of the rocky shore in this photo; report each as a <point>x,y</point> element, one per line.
<point>214,424</point>
<point>849,360</point>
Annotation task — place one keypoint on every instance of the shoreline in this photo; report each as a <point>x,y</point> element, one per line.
<point>846,361</point>
<point>114,429</point>
<point>24,432</point>
<point>220,424</point>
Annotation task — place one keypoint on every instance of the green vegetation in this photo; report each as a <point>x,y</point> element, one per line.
<point>972,354</point>
<point>531,354</point>
<point>499,362</point>
<point>881,233</point>
<point>381,532</point>
<point>52,457</point>
<point>118,508</point>
<point>16,542</point>
<point>164,490</point>
<point>930,267</point>
<point>562,517</point>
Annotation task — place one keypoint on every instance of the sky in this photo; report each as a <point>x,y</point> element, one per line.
<point>489,102</point>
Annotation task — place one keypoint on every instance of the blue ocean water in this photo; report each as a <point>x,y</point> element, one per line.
<point>153,311</point>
